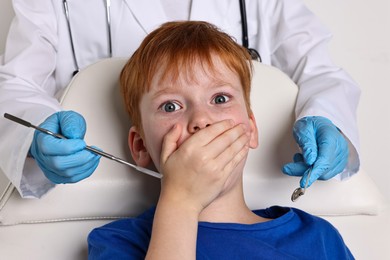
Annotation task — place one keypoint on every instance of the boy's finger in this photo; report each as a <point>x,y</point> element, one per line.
<point>234,162</point>
<point>221,143</point>
<point>208,134</point>
<point>169,144</point>
<point>234,154</point>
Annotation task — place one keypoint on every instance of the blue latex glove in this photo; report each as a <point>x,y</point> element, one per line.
<point>64,160</point>
<point>322,146</point>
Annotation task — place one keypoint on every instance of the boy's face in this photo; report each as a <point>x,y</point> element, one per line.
<point>193,105</point>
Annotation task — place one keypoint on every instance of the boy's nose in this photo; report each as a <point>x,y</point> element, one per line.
<point>197,128</point>
<point>199,121</point>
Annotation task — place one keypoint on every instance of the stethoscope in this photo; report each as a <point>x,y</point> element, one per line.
<point>245,41</point>
<point>108,18</point>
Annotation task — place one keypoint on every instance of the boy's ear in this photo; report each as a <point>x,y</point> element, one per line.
<point>254,140</point>
<point>137,148</point>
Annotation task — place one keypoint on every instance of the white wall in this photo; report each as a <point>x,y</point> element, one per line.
<point>6,14</point>
<point>361,45</point>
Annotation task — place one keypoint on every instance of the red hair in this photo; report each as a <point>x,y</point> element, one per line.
<point>175,47</point>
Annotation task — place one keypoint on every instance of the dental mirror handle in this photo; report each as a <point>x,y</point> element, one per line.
<point>90,148</point>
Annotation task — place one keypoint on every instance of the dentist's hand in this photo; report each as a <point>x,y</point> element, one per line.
<point>322,145</point>
<point>64,160</point>
<point>196,172</point>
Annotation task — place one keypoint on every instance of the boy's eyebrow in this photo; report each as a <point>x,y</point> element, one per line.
<point>173,89</point>
<point>165,90</point>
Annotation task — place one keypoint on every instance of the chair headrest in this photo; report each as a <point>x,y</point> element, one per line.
<point>115,190</point>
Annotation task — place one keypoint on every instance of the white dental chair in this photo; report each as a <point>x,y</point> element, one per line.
<point>56,226</point>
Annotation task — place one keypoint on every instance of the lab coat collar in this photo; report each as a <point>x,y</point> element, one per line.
<point>150,14</point>
<point>215,11</point>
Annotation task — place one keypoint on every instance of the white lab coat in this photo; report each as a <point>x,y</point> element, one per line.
<point>37,64</point>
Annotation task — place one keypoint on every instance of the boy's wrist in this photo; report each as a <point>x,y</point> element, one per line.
<point>174,232</point>
<point>176,201</point>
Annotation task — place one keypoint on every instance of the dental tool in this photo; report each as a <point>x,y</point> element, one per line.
<point>94,150</point>
<point>298,192</point>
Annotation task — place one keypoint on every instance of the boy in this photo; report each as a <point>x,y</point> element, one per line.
<point>187,90</point>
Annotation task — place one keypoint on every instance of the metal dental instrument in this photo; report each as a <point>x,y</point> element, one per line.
<point>299,191</point>
<point>94,150</point>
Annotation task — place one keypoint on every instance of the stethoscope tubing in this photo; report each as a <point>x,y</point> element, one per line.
<point>108,18</point>
<point>244,25</point>
<point>245,39</point>
<point>255,55</point>
<point>66,10</point>
<point>108,15</point>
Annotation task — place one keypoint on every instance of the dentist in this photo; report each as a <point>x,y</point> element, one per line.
<point>51,40</point>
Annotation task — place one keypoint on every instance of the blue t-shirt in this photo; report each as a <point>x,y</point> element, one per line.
<point>291,234</point>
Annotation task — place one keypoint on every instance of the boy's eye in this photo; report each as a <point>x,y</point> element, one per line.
<point>219,99</point>
<point>170,107</point>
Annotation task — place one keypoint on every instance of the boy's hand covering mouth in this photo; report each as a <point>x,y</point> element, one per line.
<point>195,172</point>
